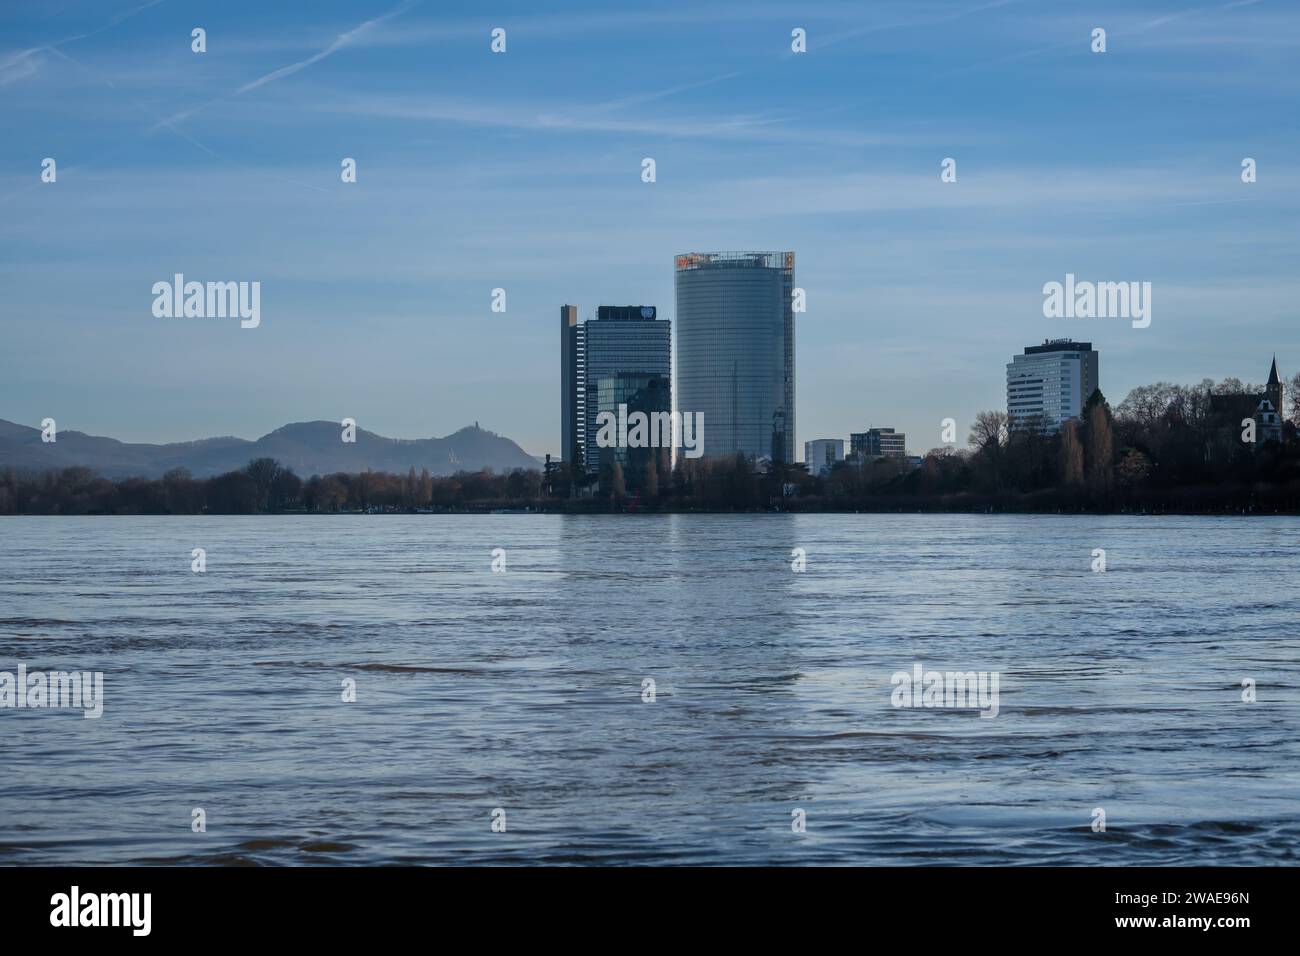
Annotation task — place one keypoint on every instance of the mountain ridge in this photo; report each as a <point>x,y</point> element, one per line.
<point>308,448</point>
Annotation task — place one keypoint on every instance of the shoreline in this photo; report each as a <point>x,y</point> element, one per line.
<point>644,512</point>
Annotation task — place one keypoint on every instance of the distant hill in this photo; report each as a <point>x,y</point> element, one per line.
<point>309,448</point>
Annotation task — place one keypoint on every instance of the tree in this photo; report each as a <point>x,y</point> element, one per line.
<point>182,493</point>
<point>331,494</point>
<point>234,493</point>
<point>1132,469</point>
<point>650,481</point>
<point>1147,405</point>
<point>263,471</point>
<point>988,436</point>
<point>1101,443</point>
<point>1071,454</point>
<point>286,491</point>
<point>988,433</point>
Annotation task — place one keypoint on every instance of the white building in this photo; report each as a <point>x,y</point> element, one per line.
<point>1050,383</point>
<point>1268,422</point>
<point>822,454</point>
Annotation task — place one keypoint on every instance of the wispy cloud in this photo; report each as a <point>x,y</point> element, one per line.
<point>24,63</point>
<point>639,98</point>
<point>342,41</point>
<point>125,15</point>
<point>558,118</point>
<point>159,123</point>
<point>1123,32</point>
<point>19,65</point>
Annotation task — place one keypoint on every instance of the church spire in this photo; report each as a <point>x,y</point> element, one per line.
<point>1272,373</point>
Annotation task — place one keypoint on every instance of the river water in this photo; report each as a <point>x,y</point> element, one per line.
<point>519,697</point>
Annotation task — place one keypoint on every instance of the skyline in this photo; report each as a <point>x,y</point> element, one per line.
<point>478,171</point>
<point>907,450</point>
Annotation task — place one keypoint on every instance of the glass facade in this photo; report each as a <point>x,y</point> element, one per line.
<point>636,392</point>
<point>621,339</point>
<point>735,350</point>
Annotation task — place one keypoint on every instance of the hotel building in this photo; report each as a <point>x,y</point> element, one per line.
<point>1050,383</point>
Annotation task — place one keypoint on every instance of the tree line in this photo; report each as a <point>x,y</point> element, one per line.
<point>262,486</point>
<point>1164,448</point>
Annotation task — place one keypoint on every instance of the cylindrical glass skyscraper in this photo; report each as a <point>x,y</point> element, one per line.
<point>735,350</point>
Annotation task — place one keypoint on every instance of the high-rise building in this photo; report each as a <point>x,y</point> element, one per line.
<point>1050,383</point>
<point>735,350</point>
<point>622,340</point>
<point>877,443</point>
<point>821,454</point>
<point>573,370</point>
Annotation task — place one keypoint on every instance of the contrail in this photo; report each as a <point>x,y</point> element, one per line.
<point>1141,28</point>
<point>16,58</point>
<point>341,41</point>
<point>165,124</point>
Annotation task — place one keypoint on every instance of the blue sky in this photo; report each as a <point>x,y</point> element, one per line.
<point>522,170</point>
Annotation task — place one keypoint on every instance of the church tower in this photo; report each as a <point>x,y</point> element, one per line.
<point>1273,390</point>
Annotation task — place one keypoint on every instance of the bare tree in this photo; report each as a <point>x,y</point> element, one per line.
<point>1147,405</point>
<point>988,433</point>
<point>1229,386</point>
<point>264,472</point>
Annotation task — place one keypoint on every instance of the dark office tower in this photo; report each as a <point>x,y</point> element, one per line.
<point>573,395</point>
<point>626,340</point>
<point>735,350</point>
